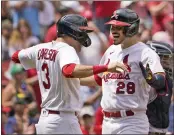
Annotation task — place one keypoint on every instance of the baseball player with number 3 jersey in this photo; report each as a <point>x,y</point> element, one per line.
<point>59,70</point>
<point>125,95</point>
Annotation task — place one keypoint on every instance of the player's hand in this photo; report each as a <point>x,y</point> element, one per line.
<point>147,73</point>
<point>117,67</point>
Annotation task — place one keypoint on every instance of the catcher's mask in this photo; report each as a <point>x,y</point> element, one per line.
<point>127,18</point>
<point>166,54</point>
<point>76,27</point>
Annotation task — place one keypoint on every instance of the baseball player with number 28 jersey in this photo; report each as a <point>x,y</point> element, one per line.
<point>59,70</point>
<point>125,95</point>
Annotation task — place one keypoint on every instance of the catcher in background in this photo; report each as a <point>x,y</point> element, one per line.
<point>160,100</point>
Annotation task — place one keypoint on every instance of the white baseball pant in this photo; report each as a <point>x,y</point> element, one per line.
<point>136,124</point>
<point>63,123</point>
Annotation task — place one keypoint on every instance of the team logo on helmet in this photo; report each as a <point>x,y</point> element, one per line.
<point>115,15</point>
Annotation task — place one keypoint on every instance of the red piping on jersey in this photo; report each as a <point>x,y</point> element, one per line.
<point>68,69</point>
<point>15,57</point>
<point>108,62</point>
<point>99,69</point>
<point>98,79</point>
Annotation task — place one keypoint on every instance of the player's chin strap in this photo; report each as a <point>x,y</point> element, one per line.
<point>156,81</point>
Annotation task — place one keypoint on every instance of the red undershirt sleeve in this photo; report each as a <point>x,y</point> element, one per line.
<point>68,69</point>
<point>99,69</point>
<point>15,57</point>
<point>98,79</point>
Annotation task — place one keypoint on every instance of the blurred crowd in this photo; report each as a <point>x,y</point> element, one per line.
<point>27,23</point>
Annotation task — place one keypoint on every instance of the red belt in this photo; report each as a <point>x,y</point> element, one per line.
<point>57,112</point>
<point>117,114</point>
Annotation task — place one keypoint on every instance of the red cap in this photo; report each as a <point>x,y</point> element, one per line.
<point>118,23</point>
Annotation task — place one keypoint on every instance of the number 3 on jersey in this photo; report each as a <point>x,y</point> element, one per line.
<point>46,70</point>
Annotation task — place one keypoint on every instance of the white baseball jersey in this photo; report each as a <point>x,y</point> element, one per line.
<point>57,91</point>
<point>129,90</point>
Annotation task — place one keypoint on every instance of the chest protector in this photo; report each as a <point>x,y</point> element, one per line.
<point>158,110</point>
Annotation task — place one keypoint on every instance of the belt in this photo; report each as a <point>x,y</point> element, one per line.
<point>53,112</point>
<point>58,112</point>
<point>117,114</point>
<point>156,133</point>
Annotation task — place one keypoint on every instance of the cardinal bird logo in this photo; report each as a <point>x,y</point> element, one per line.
<point>125,61</point>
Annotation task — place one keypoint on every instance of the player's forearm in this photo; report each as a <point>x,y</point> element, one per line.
<point>82,71</point>
<point>88,81</point>
<point>73,70</point>
<point>76,71</point>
